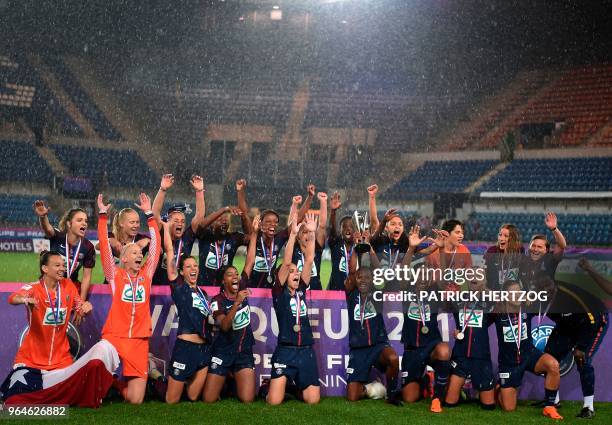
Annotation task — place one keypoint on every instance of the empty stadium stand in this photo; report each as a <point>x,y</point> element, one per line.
<point>112,167</point>
<point>578,229</point>
<point>553,175</point>
<point>17,210</point>
<point>88,108</point>
<point>438,177</point>
<point>22,162</point>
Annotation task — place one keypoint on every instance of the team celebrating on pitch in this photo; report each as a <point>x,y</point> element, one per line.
<point>214,339</point>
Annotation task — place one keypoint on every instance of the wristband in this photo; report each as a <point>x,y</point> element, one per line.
<point>102,212</point>
<point>552,230</point>
<point>200,190</point>
<point>163,190</point>
<point>149,213</point>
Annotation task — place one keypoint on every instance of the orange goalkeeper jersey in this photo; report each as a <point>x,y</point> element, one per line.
<point>129,315</point>
<point>45,345</point>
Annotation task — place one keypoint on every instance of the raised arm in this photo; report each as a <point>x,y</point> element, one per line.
<point>321,234</point>
<point>372,191</point>
<point>158,203</point>
<point>283,271</point>
<point>414,240</point>
<point>307,203</point>
<point>551,223</point>
<point>106,254</point>
<point>197,183</point>
<point>381,225</point>
<point>244,208</point>
<point>249,262</point>
<point>210,219</point>
<point>154,245</point>
<point>42,211</point>
<point>601,281</point>
<point>169,248</point>
<point>309,255</point>
<point>334,205</point>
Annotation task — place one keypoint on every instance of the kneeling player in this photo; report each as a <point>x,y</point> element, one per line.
<point>423,346</point>
<point>232,351</point>
<point>294,359</point>
<point>471,358</point>
<point>368,341</point>
<point>517,354</point>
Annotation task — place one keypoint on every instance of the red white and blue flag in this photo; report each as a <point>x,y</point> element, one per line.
<point>84,383</point>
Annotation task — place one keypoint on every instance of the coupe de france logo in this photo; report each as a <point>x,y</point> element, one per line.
<point>540,337</point>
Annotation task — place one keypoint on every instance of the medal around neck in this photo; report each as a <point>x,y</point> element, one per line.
<point>296,328</point>
<point>460,336</point>
<point>424,330</point>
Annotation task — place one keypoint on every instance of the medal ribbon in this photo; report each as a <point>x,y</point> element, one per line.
<point>178,253</point>
<point>392,260</point>
<point>362,309</point>
<point>422,312</point>
<point>220,256</point>
<point>134,289</point>
<point>71,265</point>
<point>347,257</point>
<point>297,308</point>
<point>268,263</point>
<point>540,314</point>
<point>202,298</point>
<point>517,334</point>
<point>58,302</point>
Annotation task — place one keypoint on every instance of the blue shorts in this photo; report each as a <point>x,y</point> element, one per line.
<point>583,335</point>
<point>511,376</point>
<point>298,364</point>
<point>221,363</point>
<point>187,359</point>
<point>479,371</point>
<point>361,361</point>
<point>415,360</point>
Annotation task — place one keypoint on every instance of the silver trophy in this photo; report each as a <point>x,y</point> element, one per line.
<point>361,223</point>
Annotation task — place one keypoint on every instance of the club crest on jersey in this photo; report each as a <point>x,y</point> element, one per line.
<point>300,266</point>
<point>49,318</point>
<point>474,318</point>
<point>414,312</point>
<point>127,294</point>
<point>369,312</point>
<point>197,303</point>
<point>511,332</point>
<point>242,319</point>
<point>292,304</point>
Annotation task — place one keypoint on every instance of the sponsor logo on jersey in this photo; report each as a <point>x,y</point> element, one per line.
<point>49,318</point>
<point>511,333</point>
<point>242,319</point>
<point>261,265</point>
<point>197,303</point>
<point>474,318</point>
<point>369,312</point>
<point>303,310</point>
<point>414,311</point>
<point>211,260</point>
<point>300,266</point>
<point>127,294</point>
